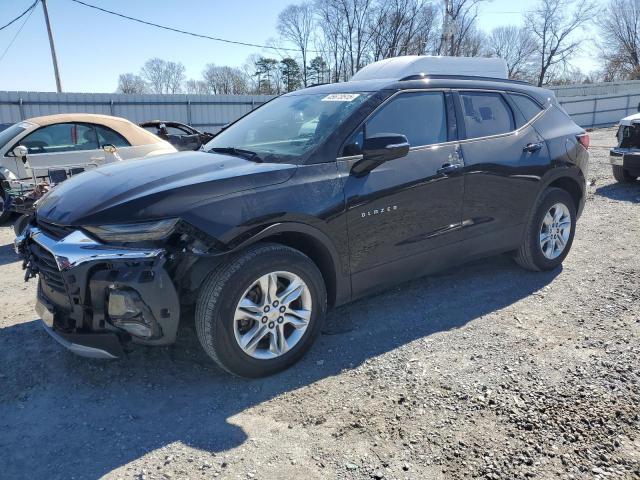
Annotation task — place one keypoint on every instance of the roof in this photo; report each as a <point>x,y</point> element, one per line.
<point>134,134</point>
<point>397,68</point>
<point>635,118</point>
<point>437,81</point>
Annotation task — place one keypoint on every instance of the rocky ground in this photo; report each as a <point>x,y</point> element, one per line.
<point>485,371</point>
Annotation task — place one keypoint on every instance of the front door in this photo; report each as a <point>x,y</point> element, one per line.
<point>406,206</point>
<point>61,146</point>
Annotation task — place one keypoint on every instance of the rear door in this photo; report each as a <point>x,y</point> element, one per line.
<point>504,159</point>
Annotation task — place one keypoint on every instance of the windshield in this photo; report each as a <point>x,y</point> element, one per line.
<point>288,126</point>
<point>10,133</point>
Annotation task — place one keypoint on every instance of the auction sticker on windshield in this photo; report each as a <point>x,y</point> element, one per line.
<point>341,97</point>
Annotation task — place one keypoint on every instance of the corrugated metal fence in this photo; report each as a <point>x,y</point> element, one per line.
<point>206,112</point>
<point>594,105</point>
<point>600,110</point>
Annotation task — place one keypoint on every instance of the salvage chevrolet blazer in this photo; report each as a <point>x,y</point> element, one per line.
<point>316,198</point>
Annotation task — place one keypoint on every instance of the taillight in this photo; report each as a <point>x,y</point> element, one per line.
<point>584,140</point>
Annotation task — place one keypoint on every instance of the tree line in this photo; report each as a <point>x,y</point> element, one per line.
<point>322,41</point>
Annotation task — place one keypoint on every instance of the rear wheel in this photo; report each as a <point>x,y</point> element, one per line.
<point>621,175</point>
<point>260,312</point>
<point>550,232</point>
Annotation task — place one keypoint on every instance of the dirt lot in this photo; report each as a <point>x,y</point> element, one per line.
<point>483,371</point>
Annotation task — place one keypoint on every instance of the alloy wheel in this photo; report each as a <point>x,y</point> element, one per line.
<point>272,315</point>
<point>555,231</point>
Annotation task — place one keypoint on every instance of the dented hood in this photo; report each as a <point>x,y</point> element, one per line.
<point>156,187</point>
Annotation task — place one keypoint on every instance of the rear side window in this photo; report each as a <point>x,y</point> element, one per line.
<point>420,116</point>
<point>111,137</point>
<point>485,114</point>
<point>527,107</point>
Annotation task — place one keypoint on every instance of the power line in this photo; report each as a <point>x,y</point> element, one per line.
<point>177,30</point>
<point>31,10</point>
<point>21,15</point>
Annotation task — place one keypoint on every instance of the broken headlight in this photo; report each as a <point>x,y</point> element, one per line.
<point>134,232</point>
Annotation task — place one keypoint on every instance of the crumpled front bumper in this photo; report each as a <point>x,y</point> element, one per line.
<point>77,277</point>
<point>629,159</point>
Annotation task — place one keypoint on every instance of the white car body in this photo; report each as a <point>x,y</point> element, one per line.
<point>630,120</point>
<point>405,66</point>
<point>50,148</point>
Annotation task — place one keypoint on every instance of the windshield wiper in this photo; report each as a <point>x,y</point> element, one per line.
<point>238,152</point>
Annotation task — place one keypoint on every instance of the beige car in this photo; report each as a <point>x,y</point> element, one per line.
<point>70,142</point>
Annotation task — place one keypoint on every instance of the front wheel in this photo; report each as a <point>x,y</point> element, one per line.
<point>549,234</point>
<point>4,212</point>
<point>260,312</point>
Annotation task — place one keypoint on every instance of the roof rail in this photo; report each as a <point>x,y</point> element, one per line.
<point>422,76</point>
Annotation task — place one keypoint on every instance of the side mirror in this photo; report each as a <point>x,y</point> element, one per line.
<point>21,152</point>
<point>379,149</point>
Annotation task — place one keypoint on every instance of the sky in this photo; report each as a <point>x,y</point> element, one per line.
<point>93,48</point>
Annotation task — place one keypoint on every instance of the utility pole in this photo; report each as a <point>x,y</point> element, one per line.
<point>54,58</point>
<point>447,41</point>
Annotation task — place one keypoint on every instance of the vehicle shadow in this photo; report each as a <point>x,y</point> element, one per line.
<point>7,254</point>
<point>63,416</point>
<point>618,191</point>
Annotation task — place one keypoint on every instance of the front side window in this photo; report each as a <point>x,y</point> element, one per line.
<point>289,126</point>
<point>419,116</point>
<point>11,132</point>
<point>61,137</point>
<point>485,114</point>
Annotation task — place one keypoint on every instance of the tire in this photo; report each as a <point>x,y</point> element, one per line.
<point>20,224</point>
<point>530,255</point>
<point>4,214</point>
<point>621,175</point>
<point>218,305</point>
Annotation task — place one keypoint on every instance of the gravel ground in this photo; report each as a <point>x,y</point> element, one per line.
<point>485,371</point>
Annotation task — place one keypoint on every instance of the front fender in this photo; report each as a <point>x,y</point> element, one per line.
<point>313,235</point>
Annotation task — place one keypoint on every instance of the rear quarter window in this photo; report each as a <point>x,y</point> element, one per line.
<point>526,106</point>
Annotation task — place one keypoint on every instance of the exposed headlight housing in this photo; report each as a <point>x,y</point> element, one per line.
<point>134,232</point>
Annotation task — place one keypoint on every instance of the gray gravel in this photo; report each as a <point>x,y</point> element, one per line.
<point>485,371</point>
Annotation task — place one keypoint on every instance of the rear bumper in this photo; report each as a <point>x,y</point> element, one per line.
<point>78,278</point>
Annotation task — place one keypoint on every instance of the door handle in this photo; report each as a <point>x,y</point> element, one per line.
<point>449,167</point>
<point>532,147</point>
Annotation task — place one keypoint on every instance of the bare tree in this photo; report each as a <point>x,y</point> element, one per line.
<point>473,44</point>
<point>331,41</point>
<point>619,27</point>
<point>131,83</point>
<point>554,23</point>
<point>296,25</point>
<point>346,24</point>
<point>516,46</point>
<point>163,76</point>
<point>225,80</point>
<point>462,18</point>
<point>198,87</point>
<point>402,27</point>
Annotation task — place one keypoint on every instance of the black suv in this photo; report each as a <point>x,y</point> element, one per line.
<point>312,200</point>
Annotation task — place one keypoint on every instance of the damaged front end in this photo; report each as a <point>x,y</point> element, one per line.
<point>626,153</point>
<point>96,298</point>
